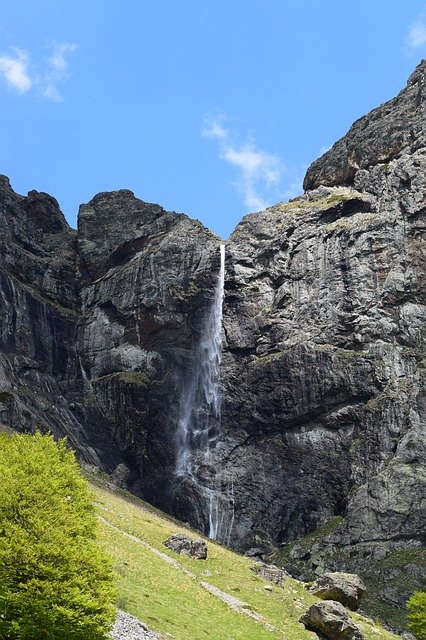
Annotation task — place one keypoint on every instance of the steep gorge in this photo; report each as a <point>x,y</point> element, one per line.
<point>323,362</point>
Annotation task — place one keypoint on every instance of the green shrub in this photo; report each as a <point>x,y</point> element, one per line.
<point>417,614</point>
<point>55,582</point>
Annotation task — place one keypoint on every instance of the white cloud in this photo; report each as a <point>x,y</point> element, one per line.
<point>417,32</point>
<point>58,60</point>
<point>44,78</point>
<point>56,71</point>
<point>259,172</point>
<point>14,69</point>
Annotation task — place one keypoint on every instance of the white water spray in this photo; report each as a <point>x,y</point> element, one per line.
<point>199,421</point>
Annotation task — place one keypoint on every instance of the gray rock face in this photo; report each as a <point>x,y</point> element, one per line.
<point>331,620</point>
<point>41,386</point>
<point>97,330</point>
<point>323,366</point>
<point>346,588</point>
<point>190,547</point>
<point>145,277</point>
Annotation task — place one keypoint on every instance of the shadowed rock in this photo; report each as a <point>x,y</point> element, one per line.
<point>331,619</point>
<point>346,588</point>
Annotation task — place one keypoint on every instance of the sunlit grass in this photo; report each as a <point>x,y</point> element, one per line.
<point>173,603</point>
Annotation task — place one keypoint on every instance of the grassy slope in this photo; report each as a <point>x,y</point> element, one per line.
<point>173,603</point>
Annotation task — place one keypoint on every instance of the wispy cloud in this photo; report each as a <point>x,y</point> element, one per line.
<point>45,78</point>
<point>259,174</point>
<point>57,70</point>
<point>14,70</point>
<point>417,32</point>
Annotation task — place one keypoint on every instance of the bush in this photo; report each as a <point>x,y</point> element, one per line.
<point>417,614</point>
<point>55,582</point>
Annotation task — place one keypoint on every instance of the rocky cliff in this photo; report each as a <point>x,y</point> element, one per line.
<point>325,341</point>
<point>98,328</point>
<point>323,364</point>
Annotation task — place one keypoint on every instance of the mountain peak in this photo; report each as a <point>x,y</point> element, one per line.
<point>392,129</point>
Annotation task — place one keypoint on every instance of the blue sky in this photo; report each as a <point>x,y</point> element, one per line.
<point>213,108</point>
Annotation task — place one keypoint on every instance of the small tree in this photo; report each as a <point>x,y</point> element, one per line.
<point>417,614</point>
<point>55,581</point>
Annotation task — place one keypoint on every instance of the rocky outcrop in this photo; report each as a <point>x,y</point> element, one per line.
<point>346,588</point>
<point>331,620</point>
<point>190,547</point>
<point>98,327</point>
<point>394,129</point>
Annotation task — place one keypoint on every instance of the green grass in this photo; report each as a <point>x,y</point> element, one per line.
<point>171,602</point>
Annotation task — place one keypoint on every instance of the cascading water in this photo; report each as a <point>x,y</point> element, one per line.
<point>199,420</point>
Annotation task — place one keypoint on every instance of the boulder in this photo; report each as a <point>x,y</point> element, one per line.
<point>346,588</point>
<point>332,621</point>
<point>190,547</point>
<point>255,552</point>
<point>120,475</point>
<point>270,572</point>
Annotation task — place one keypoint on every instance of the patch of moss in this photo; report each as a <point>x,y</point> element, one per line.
<point>390,393</point>
<point>384,168</point>
<point>390,573</point>
<point>268,357</point>
<point>349,353</point>
<point>281,555</point>
<point>349,223</point>
<point>374,403</point>
<point>131,377</point>
<point>24,391</point>
<point>182,294</point>
<point>319,203</point>
<point>338,197</point>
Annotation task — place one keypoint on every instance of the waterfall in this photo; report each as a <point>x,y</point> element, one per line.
<point>199,419</point>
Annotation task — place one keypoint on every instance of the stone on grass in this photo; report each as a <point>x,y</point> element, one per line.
<point>331,619</point>
<point>255,552</point>
<point>270,572</point>
<point>190,547</point>
<point>346,588</point>
<point>120,475</point>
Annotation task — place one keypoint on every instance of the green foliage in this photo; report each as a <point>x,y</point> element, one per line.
<point>417,614</point>
<point>55,581</point>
